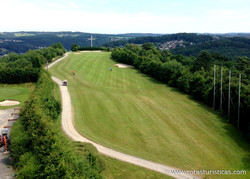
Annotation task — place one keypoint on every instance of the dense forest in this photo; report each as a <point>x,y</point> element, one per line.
<point>229,47</point>
<point>16,68</point>
<point>190,44</point>
<point>195,76</point>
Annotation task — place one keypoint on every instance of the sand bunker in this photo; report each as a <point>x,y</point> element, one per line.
<point>9,103</point>
<point>122,65</point>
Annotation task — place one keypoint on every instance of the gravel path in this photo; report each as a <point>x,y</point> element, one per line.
<point>4,116</point>
<point>6,171</point>
<point>70,131</point>
<point>55,62</point>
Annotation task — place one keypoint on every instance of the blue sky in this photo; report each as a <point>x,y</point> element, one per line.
<point>126,16</point>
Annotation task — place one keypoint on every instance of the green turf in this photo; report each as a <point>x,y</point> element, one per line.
<point>18,92</point>
<point>120,170</point>
<point>116,169</point>
<point>133,113</point>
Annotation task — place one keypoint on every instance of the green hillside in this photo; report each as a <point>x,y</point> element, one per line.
<point>133,113</point>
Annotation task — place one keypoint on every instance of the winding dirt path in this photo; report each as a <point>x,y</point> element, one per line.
<point>70,131</point>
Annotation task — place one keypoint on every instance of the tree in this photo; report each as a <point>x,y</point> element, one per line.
<point>148,46</point>
<point>204,60</point>
<point>74,47</point>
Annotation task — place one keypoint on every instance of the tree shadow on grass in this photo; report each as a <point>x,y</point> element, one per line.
<point>231,131</point>
<point>241,141</point>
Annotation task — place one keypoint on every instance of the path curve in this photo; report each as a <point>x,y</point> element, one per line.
<point>58,60</point>
<point>70,131</point>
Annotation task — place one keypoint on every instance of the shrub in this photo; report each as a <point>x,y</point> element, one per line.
<point>38,149</point>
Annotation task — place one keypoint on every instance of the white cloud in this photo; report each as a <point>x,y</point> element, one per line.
<point>69,16</point>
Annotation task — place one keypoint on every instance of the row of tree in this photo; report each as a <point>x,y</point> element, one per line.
<point>194,76</point>
<point>75,47</point>
<point>39,150</point>
<point>16,68</point>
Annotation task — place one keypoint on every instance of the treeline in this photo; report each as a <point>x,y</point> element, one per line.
<point>75,47</point>
<point>16,68</point>
<point>39,150</point>
<point>194,76</point>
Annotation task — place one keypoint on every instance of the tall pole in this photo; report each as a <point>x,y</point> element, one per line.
<point>239,102</point>
<point>47,65</point>
<point>214,86</point>
<point>221,88</point>
<point>229,97</point>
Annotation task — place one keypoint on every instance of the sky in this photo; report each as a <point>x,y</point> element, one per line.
<point>126,16</point>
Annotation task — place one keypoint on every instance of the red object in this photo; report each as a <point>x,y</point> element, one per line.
<point>4,141</point>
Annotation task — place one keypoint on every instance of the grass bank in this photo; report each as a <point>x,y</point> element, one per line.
<point>133,113</point>
<point>114,169</point>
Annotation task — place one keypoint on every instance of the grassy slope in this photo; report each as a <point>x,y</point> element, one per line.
<point>133,113</point>
<point>18,92</point>
<point>116,169</point>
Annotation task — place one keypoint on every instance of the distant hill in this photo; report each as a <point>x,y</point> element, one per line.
<point>190,44</point>
<point>20,42</point>
<point>229,47</point>
<point>157,40</point>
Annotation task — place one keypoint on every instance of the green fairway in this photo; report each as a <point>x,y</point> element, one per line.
<point>135,114</point>
<point>115,169</point>
<point>120,170</point>
<point>18,92</point>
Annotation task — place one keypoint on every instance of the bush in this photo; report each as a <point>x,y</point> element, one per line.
<point>38,149</point>
<point>26,68</point>
<point>28,166</point>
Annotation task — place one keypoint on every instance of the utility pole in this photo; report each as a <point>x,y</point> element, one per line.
<point>214,86</point>
<point>229,97</point>
<point>91,40</point>
<point>47,65</point>
<point>221,71</point>
<point>239,102</point>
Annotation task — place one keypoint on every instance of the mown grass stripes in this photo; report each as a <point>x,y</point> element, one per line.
<point>133,113</point>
